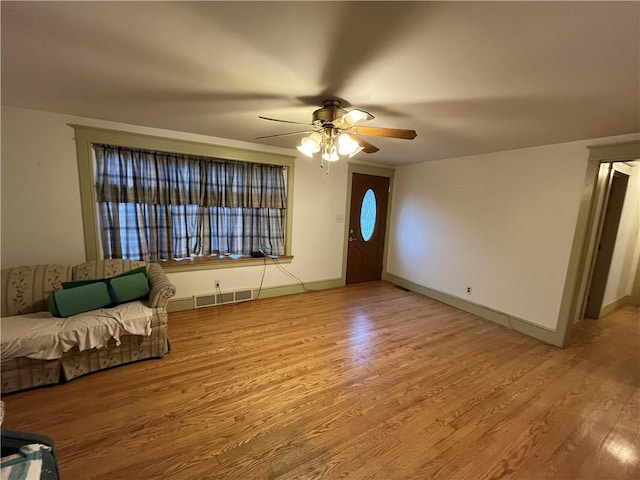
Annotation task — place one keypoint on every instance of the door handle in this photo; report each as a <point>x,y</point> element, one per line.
<point>352,239</point>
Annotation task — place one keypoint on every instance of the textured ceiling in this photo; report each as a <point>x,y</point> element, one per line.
<point>469,77</point>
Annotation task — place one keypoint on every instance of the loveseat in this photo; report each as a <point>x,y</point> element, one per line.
<point>24,297</point>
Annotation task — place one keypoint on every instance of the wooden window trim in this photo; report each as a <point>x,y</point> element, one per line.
<point>85,136</point>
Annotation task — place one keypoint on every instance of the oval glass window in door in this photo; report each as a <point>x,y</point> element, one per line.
<point>368,213</point>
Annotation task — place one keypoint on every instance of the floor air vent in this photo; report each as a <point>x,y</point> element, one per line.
<point>211,299</point>
<point>243,295</point>
<point>204,300</point>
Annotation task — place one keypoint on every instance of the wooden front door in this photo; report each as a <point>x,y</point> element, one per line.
<point>367,227</point>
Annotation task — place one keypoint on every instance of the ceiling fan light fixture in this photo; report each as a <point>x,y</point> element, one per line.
<point>310,145</point>
<point>347,145</point>
<point>355,116</point>
<point>334,133</point>
<point>330,153</point>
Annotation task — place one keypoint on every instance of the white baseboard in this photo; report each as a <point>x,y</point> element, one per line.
<point>607,309</point>
<point>518,324</point>
<point>187,303</point>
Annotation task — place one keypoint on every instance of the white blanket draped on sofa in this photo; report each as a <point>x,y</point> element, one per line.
<point>41,336</point>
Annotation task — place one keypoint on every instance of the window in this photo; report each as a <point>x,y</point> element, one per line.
<point>165,206</point>
<point>207,211</point>
<point>368,215</point>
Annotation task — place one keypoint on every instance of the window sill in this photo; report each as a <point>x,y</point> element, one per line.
<point>212,263</point>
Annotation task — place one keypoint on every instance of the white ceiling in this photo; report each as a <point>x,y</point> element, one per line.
<point>470,77</point>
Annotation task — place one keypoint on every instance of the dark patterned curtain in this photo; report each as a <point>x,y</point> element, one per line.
<point>164,206</point>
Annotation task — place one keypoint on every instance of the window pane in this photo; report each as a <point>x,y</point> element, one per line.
<point>170,206</point>
<point>368,215</point>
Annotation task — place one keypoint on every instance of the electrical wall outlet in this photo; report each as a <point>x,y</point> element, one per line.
<point>217,283</point>
<point>468,290</point>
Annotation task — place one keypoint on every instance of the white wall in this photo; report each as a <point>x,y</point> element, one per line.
<point>624,262</point>
<point>41,219</point>
<point>502,223</point>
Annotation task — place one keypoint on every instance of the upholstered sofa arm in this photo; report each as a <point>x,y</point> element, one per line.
<point>161,287</point>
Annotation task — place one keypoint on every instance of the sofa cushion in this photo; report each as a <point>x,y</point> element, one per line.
<point>25,289</point>
<point>43,337</point>
<point>79,283</point>
<point>104,268</point>
<point>33,335</point>
<point>94,329</point>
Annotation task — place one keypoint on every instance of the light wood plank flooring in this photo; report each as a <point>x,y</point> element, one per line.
<point>366,382</point>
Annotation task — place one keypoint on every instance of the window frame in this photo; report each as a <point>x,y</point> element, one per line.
<point>86,136</point>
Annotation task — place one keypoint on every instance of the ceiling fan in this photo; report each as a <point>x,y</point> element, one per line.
<point>336,132</point>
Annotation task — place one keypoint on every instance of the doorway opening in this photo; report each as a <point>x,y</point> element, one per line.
<point>611,218</point>
<point>618,277</point>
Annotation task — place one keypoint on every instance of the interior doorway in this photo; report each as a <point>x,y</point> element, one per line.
<point>367,227</point>
<point>606,244</point>
<point>603,160</point>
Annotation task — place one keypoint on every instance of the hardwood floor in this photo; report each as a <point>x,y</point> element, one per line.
<point>367,382</point>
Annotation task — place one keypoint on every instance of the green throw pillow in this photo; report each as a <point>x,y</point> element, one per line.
<point>67,302</point>
<point>86,295</point>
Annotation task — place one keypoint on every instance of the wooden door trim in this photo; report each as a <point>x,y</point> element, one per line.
<point>603,256</point>
<point>580,257</point>
<point>366,170</point>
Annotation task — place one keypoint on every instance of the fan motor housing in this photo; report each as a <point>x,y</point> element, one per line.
<point>331,109</point>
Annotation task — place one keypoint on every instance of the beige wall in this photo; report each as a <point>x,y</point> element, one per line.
<point>41,219</point>
<point>502,223</point>
<point>624,262</point>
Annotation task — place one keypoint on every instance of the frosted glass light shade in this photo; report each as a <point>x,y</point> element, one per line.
<point>330,153</point>
<point>347,145</point>
<point>354,116</point>
<point>310,145</point>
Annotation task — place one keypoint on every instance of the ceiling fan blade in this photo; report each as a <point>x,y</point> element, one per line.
<point>352,117</point>
<point>366,146</point>
<point>282,121</point>
<point>387,132</point>
<point>285,134</point>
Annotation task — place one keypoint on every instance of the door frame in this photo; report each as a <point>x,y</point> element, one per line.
<point>366,170</point>
<point>581,258</point>
<point>606,240</point>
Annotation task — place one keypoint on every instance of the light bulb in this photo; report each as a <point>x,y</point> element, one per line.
<point>310,145</point>
<point>347,145</point>
<point>355,116</point>
<point>330,153</point>
<point>302,148</point>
